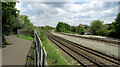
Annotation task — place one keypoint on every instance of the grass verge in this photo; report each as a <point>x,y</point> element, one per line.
<point>25,37</point>
<point>53,54</point>
<point>30,60</point>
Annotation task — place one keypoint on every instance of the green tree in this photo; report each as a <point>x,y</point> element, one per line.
<point>80,30</point>
<point>73,29</point>
<point>9,12</point>
<point>97,28</point>
<point>46,28</point>
<point>21,22</point>
<point>115,27</point>
<point>62,27</point>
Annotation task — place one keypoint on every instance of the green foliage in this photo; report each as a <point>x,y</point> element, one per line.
<point>53,54</point>
<point>46,28</point>
<point>26,32</point>
<point>11,20</point>
<point>25,37</point>
<point>22,21</point>
<point>73,29</point>
<point>42,34</point>
<point>9,12</point>
<point>86,26</point>
<point>115,27</point>
<point>97,28</point>
<point>80,30</point>
<point>62,27</point>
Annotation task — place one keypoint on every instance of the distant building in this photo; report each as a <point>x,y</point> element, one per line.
<point>82,25</point>
<point>107,25</point>
<point>87,31</point>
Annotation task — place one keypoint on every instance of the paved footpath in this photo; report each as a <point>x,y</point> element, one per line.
<point>15,53</point>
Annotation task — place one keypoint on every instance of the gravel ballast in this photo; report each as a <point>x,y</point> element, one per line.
<point>108,48</point>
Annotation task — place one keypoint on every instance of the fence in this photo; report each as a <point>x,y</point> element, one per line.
<point>40,53</point>
<point>25,32</point>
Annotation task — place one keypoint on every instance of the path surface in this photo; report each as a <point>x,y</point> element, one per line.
<point>108,48</point>
<point>15,53</point>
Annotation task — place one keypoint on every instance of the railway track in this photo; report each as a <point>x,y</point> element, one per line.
<point>84,55</point>
<point>113,42</point>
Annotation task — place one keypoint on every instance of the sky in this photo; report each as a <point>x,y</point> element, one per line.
<point>73,13</point>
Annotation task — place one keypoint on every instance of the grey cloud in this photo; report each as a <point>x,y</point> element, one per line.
<point>56,4</point>
<point>110,4</point>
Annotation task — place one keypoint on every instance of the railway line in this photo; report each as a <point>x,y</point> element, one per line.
<point>92,38</point>
<point>85,56</point>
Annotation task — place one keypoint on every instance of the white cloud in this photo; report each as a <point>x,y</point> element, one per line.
<point>74,14</point>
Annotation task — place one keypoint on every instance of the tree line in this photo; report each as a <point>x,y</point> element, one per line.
<point>96,28</point>
<point>64,27</point>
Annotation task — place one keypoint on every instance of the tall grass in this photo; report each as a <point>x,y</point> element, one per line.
<point>53,54</point>
<point>25,37</point>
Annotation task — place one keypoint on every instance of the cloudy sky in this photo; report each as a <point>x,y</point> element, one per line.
<point>73,13</point>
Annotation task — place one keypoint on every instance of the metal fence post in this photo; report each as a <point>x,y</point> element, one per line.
<point>40,58</point>
<point>44,63</point>
<point>35,52</point>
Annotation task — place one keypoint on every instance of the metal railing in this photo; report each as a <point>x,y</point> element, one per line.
<point>39,52</point>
